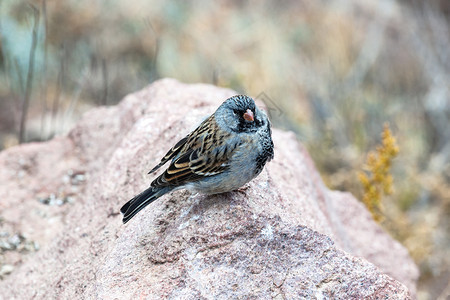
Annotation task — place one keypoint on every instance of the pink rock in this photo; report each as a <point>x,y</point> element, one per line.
<point>284,235</point>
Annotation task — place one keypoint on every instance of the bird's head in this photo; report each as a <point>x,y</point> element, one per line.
<point>240,114</point>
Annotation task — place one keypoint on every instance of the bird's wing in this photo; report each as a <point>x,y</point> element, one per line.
<point>171,153</point>
<point>206,153</point>
<point>175,150</point>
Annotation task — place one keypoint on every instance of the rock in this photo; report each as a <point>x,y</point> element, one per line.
<point>5,270</point>
<point>284,235</point>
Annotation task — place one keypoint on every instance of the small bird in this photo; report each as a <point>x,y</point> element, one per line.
<point>227,150</point>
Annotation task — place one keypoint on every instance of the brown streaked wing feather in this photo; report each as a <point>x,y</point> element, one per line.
<point>171,153</point>
<point>203,155</point>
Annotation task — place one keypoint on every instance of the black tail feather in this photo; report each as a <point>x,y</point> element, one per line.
<point>135,205</point>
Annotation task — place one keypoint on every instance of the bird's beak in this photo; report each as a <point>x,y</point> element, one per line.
<point>248,116</point>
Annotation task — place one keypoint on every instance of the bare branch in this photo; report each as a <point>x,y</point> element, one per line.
<point>44,71</point>
<point>105,82</point>
<point>29,83</point>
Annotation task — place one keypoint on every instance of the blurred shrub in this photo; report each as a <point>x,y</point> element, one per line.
<point>379,180</point>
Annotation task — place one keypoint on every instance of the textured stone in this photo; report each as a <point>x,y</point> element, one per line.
<point>284,235</point>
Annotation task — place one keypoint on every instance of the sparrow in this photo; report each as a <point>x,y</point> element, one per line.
<point>227,150</point>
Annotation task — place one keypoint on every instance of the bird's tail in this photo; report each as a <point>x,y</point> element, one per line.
<point>132,207</point>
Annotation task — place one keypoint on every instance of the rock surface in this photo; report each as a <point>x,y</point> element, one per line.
<point>284,235</point>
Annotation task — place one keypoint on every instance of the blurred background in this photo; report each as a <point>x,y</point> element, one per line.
<point>334,72</point>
